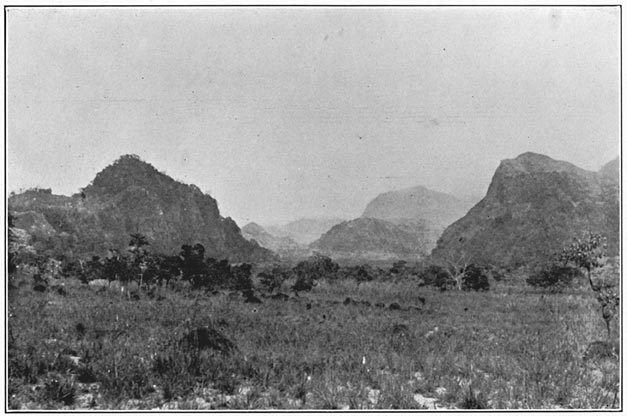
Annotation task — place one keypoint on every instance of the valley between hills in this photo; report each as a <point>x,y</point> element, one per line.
<point>136,293</point>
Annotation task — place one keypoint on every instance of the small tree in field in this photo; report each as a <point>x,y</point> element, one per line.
<point>309,271</point>
<point>588,253</point>
<point>456,265</point>
<point>139,255</point>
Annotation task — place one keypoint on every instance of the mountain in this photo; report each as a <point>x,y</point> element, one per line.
<point>611,170</point>
<point>533,208</point>
<point>304,230</point>
<point>283,246</point>
<point>131,196</point>
<point>434,210</point>
<point>418,203</point>
<point>374,239</point>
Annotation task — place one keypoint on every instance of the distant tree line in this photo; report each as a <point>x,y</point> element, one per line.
<point>307,272</point>
<point>139,265</point>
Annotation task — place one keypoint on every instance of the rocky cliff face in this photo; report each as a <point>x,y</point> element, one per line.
<point>131,196</point>
<point>534,206</point>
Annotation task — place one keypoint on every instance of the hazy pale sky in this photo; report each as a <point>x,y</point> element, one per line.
<point>281,113</point>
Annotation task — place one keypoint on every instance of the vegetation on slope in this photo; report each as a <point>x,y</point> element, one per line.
<point>534,206</point>
<point>131,196</point>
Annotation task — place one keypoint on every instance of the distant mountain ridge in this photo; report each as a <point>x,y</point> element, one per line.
<point>374,239</point>
<point>285,247</point>
<point>131,196</point>
<point>534,206</point>
<point>304,230</point>
<point>418,203</point>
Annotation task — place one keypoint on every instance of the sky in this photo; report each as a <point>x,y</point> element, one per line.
<point>291,112</point>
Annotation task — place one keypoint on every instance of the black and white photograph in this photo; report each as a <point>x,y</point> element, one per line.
<point>312,208</point>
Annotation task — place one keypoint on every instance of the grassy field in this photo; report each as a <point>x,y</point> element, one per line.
<point>77,346</point>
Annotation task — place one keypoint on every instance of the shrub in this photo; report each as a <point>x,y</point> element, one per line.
<point>218,273</point>
<point>193,265</point>
<point>435,275</point>
<point>273,279</point>
<point>117,268</point>
<point>473,400</point>
<point>304,283</point>
<point>240,277</point>
<point>316,267</point>
<point>361,273</point>
<point>312,269</point>
<point>476,279</point>
<point>555,277</point>
<point>398,267</point>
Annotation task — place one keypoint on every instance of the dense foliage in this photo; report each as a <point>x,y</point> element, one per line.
<point>554,277</point>
<point>138,265</point>
<point>475,278</point>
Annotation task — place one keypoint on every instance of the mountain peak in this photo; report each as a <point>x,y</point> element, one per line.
<point>128,171</point>
<point>534,206</point>
<point>131,196</point>
<point>529,162</point>
<point>611,169</point>
<point>253,227</point>
<point>374,239</point>
<point>133,162</point>
<point>417,202</point>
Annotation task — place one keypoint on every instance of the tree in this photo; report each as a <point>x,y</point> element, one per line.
<point>364,273</point>
<point>94,269</point>
<point>139,255</point>
<point>588,253</point>
<point>398,267</point>
<point>360,273</point>
<point>312,269</point>
<point>303,284</point>
<point>116,267</point>
<point>240,277</point>
<point>193,265</point>
<point>138,241</point>
<point>218,273</point>
<point>317,267</point>
<point>165,268</point>
<point>434,275</point>
<point>274,278</point>
<point>456,265</point>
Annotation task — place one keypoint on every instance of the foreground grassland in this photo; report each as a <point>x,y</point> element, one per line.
<point>78,346</point>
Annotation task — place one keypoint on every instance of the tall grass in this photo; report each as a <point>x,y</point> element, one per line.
<point>505,349</point>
